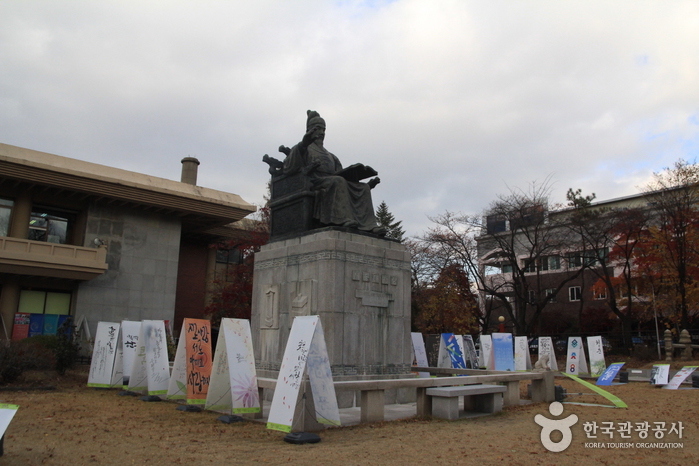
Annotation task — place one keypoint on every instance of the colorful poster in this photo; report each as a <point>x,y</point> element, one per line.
<point>452,347</point>
<point>103,355</point>
<point>36,324</point>
<point>659,374</point>
<point>610,373</point>
<point>7,412</point>
<point>157,363</point>
<point>503,352</point>
<point>546,348</point>
<point>191,371</point>
<point>470,353</point>
<point>575,359</point>
<point>233,387</point>
<point>129,346</point>
<point>486,355</point>
<point>681,375</point>
<point>20,330</point>
<point>523,361</point>
<point>296,356</point>
<point>420,352</point>
<point>444,359</point>
<point>50,324</point>
<point>596,352</point>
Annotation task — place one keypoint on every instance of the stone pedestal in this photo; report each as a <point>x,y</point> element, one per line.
<point>358,285</point>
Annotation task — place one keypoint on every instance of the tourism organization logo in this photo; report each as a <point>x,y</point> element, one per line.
<point>549,426</point>
<point>651,434</point>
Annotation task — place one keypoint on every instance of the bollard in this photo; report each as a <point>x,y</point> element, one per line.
<point>668,345</point>
<point>695,380</point>
<point>623,377</point>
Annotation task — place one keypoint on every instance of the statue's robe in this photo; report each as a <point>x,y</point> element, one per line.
<point>338,201</point>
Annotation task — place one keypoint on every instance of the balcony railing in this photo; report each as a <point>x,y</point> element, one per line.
<point>26,257</point>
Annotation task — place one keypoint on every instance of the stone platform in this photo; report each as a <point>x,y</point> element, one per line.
<point>358,285</point>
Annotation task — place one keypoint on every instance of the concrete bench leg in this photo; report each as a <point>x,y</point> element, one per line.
<point>512,393</point>
<point>445,407</point>
<point>424,402</point>
<point>372,406</point>
<point>543,389</point>
<point>487,403</point>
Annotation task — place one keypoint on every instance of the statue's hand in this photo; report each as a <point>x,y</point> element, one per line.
<point>308,137</point>
<point>373,182</point>
<point>311,167</point>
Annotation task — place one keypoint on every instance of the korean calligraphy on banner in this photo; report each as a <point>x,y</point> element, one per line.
<point>305,347</point>
<point>596,351</point>
<point>485,357</point>
<point>191,372</point>
<point>156,359</point>
<point>546,347</point>
<point>609,374</point>
<point>420,352</point>
<point>129,345</point>
<point>233,387</point>
<point>523,361</point>
<point>678,378</point>
<point>575,359</point>
<point>103,370</point>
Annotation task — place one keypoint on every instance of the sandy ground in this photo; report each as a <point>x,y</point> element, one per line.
<point>77,425</point>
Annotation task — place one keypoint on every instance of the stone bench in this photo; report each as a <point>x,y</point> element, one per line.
<point>478,398</point>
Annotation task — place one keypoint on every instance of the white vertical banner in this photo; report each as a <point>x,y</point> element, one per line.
<point>103,355</point>
<point>460,344</point>
<point>659,374</point>
<point>129,346</point>
<point>321,378</point>
<point>177,387</point>
<point>471,356</point>
<point>575,359</point>
<point>420,352</point>
<point>157,363</point>
<point>296,356</point>
<point>681,375</point>
<point>7,412</point>
<point>233,387</point>
<point>523,361</point>
<point>118,370</point>
<point>138,380</point>
<point>546,347</point>
<point>486,358</point>
<point>596,352</point>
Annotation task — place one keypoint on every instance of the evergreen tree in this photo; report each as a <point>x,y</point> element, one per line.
<point>388,221</point>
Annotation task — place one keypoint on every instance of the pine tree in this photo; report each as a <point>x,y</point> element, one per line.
<point>388,221</point>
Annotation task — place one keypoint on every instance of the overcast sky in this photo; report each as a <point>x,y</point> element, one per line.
<point>453,102</point>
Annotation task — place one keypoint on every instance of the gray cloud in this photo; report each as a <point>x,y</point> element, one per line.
<point>451,101</point>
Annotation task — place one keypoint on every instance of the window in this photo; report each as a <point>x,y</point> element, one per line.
<point>529,266</point>
<point>601,294</point>
<point>574,260</point>
<point>574,293</point>
<point>551,292</point>
<point>48,310</point>
<point>507,268</point>
<point>5,213</point>
<point>551,263</point>
<point>226,260</point>
<point>50,226</point>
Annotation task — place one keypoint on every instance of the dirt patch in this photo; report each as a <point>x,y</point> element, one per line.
<point>77,425</point>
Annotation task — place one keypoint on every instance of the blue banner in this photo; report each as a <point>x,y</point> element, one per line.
<point>457,358</point>
<point>608,375</point>
<point>503,352</point>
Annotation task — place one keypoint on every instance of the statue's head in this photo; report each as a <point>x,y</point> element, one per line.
<point>316,124</point>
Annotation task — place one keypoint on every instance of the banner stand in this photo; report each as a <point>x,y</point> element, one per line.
<point>229,418</point>
<point>150,398</point>
<point>189,408</point>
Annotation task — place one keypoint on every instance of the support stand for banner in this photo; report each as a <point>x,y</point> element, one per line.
<point>151,398</point>
<point>189,408</point>
<point>230,418</point>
